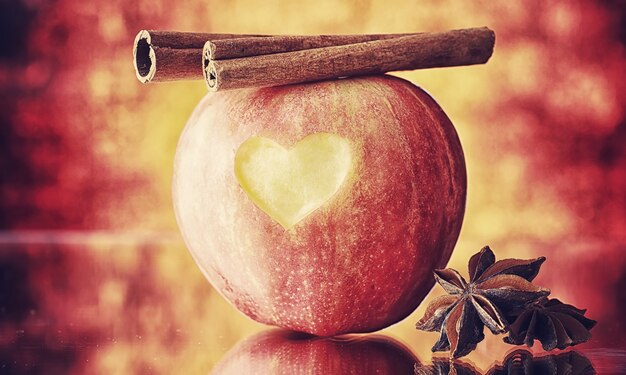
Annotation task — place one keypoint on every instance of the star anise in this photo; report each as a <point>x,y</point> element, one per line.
<point>494,290</point>
<point>553,323</point>
<point>522,362</point>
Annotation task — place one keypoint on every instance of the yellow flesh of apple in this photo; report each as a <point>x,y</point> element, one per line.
<point>289,184</point>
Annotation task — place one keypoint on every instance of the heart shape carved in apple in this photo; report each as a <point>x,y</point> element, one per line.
<point>289,184</point>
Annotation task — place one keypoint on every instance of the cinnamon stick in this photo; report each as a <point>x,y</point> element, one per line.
<point>171,55</point>
<point>243,47</point>
<point>416,51</point>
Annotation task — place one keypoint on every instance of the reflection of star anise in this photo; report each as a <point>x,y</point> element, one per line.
<point>445,367</point>
<point>495,289</point>
<point>522,362</point>
<point>553,323</point>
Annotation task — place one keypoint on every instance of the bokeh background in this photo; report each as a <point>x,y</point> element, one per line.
<point>94,277</point>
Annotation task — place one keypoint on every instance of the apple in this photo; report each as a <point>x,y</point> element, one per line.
<point>282,352</point>
<point>321,207</point>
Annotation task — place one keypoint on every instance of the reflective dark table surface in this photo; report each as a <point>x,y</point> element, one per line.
<point>119,303</point>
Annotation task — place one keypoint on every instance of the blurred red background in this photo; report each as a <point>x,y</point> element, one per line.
<point>94,275</point>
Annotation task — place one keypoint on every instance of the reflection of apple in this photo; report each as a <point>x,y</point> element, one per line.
<point>282,352</point>
<point>322,207</point>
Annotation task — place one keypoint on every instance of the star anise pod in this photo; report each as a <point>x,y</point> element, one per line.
<point>554,323</point>
<point>522,362</point>
<point>494,290</point>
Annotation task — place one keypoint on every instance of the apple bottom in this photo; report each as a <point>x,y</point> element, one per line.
<point>340,287</point>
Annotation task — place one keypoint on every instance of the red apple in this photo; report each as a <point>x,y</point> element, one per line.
<point>321,207</point>
<point>281,352</point>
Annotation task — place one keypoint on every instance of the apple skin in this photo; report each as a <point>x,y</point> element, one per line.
<point>362,261</point>
<point>282,352</point>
